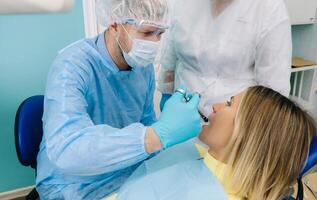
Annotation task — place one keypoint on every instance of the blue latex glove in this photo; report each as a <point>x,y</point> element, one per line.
<point>164,98</point>
<point>179,121</point>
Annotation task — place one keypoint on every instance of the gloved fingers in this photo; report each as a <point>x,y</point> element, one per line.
<point>189,96</point>
<point>194,101</point>
<point>180,93</point>
<point>182,89</point>
<point>178,96</point>
<point>164,99</point>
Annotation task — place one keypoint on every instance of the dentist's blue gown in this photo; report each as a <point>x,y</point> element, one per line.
<point>94,122</point>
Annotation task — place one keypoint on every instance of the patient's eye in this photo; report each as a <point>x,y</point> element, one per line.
<point>229,103</point>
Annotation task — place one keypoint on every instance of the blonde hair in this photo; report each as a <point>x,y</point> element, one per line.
<point>270,144</point>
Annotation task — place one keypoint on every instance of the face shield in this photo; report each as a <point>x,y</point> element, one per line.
<point>153,28</point>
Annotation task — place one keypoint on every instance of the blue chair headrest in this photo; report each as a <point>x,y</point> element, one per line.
<point>28,130</point>
<point>312,158</point>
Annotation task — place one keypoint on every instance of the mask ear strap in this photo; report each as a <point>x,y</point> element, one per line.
<point>119,43</point>
<point>120,46</point>
<point>127,32</point>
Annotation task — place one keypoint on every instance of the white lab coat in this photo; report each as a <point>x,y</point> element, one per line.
<point>248,44</point>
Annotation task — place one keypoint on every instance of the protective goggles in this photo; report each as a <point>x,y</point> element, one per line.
<point>145,25</point>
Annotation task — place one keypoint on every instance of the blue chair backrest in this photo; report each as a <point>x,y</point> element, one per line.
<point>312,159</point>
<point>28,130</point>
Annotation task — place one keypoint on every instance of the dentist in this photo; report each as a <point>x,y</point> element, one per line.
<point>99,122</point>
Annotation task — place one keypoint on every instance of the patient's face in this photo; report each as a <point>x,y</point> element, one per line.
<point>219,131</point>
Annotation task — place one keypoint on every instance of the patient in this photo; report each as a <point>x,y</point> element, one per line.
<point>258,143</point>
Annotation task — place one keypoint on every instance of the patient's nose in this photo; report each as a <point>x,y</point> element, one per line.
<point>217,107</point>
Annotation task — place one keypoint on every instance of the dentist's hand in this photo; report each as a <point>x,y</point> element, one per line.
<point>164,98</point>
<point>179,121</point>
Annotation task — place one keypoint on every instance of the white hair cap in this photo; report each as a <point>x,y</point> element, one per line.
<point>124,11</point>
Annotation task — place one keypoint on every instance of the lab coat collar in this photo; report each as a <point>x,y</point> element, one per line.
<point>102,49</point>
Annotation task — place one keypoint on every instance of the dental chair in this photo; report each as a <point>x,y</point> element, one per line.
<point>312,159</point>
<point>28,134</point>
<point>311,164</point>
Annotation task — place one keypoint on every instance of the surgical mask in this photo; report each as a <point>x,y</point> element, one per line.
<point>142,53</point>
